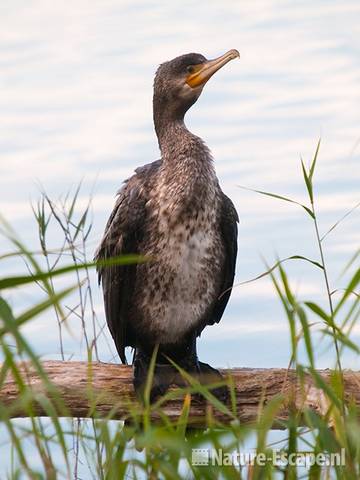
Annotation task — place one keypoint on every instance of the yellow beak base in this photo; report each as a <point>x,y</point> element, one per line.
<point>204,71</point>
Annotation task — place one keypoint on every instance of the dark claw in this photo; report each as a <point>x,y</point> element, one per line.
<point>162,379</point>
<point>222,394</point>
<point>166,375</point>
<point>158,391</point>
<point>209,375</point>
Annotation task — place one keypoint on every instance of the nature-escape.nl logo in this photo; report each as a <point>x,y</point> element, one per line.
<point>278,458</point>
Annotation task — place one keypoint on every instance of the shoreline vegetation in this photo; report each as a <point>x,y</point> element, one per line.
<point>142,448</point>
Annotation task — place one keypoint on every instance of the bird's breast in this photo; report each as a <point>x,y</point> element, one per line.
<point>183,280</point>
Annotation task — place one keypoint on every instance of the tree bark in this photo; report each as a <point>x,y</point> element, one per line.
<point>99,389</point>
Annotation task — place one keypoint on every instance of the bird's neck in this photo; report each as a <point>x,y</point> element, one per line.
<point>178,144</point>
<point>187,179</point>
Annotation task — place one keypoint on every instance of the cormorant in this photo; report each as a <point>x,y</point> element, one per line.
<point>174,212</point>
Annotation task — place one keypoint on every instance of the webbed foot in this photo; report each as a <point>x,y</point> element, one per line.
<point>209,375</point>
<point>163,377</point>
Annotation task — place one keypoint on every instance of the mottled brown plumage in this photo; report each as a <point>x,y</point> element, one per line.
<point>174,212</point>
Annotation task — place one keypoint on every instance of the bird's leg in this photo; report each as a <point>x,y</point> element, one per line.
<point>202,372</point>
<point>164,375</point>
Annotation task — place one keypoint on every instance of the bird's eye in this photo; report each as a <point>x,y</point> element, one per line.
<point>190,69</point>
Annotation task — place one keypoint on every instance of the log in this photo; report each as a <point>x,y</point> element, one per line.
<point>102,389</point>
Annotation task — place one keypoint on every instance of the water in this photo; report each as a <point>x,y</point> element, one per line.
<point>75,103</point>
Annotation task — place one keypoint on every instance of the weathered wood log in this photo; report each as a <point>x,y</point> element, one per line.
<point>88,389</point>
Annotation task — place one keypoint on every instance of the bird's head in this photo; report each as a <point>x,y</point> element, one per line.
<point>179,82</point>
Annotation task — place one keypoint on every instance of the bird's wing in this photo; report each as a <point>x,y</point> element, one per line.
<point>123,233</point>
<point>228,224</point>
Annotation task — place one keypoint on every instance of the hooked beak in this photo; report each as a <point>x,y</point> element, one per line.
<point>203,71</point>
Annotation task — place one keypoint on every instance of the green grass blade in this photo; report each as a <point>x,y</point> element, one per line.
<point>15,281</point>
<point>313,164</point>
<point>307,182</point>
<point>340,220</point>
<point>319,312</point>
<point>279,197</point>
<point>39,308</point>
<point>307,335</point>
<point>351,287</point>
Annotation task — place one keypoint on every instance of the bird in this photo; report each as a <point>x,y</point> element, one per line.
<point>173,213</point>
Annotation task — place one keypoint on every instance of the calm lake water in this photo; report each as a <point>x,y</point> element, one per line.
<point>75,104</point>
